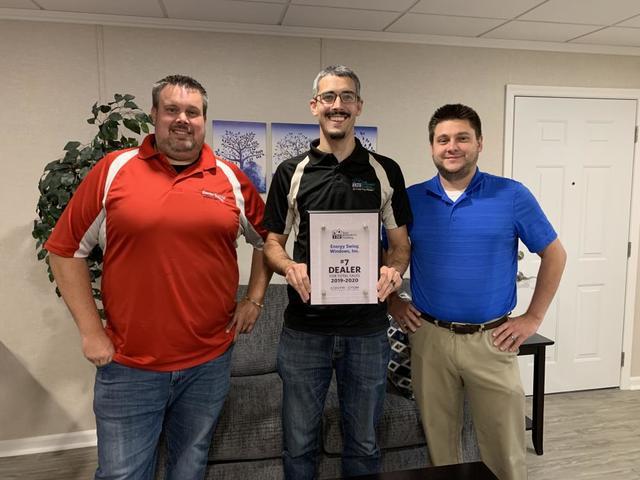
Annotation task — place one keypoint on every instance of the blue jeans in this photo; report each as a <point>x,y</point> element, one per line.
<point>305,363</point>
<point>132,406</point>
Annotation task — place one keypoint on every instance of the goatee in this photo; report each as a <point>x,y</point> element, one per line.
<point>337,135</point>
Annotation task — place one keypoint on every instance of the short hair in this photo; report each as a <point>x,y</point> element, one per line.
<point>337,71</point>
<point>455,112</point>
<point>181,81</point>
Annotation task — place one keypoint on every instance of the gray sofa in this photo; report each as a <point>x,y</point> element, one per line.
<point>247,443</point>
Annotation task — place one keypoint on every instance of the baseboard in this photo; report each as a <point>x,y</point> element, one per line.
<point>634,383</point>
<point>47,443</point>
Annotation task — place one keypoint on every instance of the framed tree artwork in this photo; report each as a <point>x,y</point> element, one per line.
<point>243,143</point>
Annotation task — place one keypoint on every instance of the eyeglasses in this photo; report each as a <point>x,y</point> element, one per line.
<point>328,98</point>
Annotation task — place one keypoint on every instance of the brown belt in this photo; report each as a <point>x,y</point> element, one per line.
<point>464,327</point>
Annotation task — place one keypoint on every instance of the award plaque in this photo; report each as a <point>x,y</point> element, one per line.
<point>344,256</point>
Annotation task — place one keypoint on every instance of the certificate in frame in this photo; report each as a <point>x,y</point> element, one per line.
<point>344,256</point>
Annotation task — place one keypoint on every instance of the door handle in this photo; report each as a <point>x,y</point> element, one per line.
<point>521,277</point>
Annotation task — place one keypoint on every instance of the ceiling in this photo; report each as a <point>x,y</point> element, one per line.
<point>607,26</point>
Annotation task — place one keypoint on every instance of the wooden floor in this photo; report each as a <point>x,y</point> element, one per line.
<point>588,435</point>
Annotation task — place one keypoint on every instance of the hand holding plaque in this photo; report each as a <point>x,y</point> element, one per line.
<point>344,256</point>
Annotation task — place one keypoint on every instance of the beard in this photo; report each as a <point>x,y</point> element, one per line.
<point>454,176</point>
<point>337,135</point>
<point>184,149</point>
<point>186,145</point>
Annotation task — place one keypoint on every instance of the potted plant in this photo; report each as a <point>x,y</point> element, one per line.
<point>115,121</point>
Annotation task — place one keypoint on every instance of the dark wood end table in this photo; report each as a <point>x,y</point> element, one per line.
<point>536,345</point>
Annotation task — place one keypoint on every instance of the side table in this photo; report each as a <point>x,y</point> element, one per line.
<point>536,345</point>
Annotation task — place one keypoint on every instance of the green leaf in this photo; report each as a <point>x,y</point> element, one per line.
<point>63,198</point>
<point>115,117</point>
<point>144,127</point>
<point>41,254</point>
<point>112,129</point>
<point>71,156</point>
<point>38,230</point>
<point>68,179</point>
<point>86,154</point>
<point>130,142</point>
<point>132,125</point>
<point>109,130</point>
<point>131,105</point>
<point>98,153</point>
<point>92,121</point>
<point>60,167</point>
<point>83,172</point>
<point>49,181</point>
<point>51,165</point>
<point>105,108</point>
<point>98,143</point>
<point>117,97</point>
<point>128,97</point>
<point>71,146</point>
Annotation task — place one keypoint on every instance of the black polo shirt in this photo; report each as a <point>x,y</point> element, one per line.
<point>317,181</point>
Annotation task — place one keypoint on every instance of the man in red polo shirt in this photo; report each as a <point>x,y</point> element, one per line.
<point>167,216</point>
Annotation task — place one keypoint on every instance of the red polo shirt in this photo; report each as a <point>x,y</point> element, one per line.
<point>170,270</point>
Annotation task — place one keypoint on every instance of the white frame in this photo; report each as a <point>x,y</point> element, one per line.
<point>345,220</point>
<point>513,91</point>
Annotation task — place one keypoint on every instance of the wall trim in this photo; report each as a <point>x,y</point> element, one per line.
<point>633,261</point>
<point>634,384</point>
<point>48,443</point>
<point>30,15</point>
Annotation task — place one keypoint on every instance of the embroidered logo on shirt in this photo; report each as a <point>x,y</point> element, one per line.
<point>215,196</point>
<point>362,186</point>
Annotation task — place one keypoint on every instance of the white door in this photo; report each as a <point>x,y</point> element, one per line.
<point>576,156</point>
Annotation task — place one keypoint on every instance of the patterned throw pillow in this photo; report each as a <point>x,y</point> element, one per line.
<point>399,368</point>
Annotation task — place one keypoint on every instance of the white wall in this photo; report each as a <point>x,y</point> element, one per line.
<point>52,74</point>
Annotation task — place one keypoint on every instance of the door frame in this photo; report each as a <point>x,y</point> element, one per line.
<point>627,382</point>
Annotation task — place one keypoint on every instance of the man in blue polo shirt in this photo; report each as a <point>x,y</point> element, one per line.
<point>464,253</point>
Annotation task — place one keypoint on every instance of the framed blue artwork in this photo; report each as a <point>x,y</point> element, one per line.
<point>290,139</point>
<point>243,143</point>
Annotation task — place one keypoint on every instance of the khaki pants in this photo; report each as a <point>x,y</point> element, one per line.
<point>447,365</point>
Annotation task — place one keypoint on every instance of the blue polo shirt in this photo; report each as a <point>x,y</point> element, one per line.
<point>464,254</point>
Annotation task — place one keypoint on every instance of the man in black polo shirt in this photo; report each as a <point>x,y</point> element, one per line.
<point>337,173</point>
